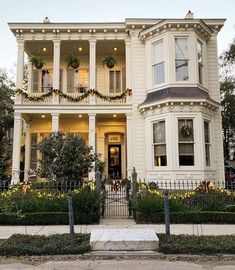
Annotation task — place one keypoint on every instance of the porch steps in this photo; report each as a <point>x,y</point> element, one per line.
<point>123,239</point>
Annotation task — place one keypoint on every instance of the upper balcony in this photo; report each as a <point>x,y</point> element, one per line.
<point>91,83</point>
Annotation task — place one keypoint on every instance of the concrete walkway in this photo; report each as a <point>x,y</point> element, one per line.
<point>191,229</point>
<point>121,265</point>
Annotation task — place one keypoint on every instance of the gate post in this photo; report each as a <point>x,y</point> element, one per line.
<point>70,213</point>
<point>98,180</point>
<point>167,214</point>
<point>133,191</point>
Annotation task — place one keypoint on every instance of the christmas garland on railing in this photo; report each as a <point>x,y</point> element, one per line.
<point>58,92</point>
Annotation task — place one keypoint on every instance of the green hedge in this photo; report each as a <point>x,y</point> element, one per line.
<point>19,244</point>
<point>191,244</point>
<point>188,217</point>
<point>46,218</point>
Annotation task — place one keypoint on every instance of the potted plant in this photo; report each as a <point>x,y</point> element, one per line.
<point>37,61</point>
<point>72,60</point>
<point>109,61</point>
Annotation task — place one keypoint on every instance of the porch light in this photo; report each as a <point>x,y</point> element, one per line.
<point>115,49</point>
<point>114,115</point>
<point>80,115</point>
<point>43,116</point>
<point>80,49</point>
<point>44,49</point>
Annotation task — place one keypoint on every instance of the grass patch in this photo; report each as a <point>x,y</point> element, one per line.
<point>57,244</point>
<point>191,244</point>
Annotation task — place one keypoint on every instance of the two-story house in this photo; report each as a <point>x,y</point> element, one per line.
<point>156,110</point>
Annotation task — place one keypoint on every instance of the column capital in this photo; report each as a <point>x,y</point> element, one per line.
<point>55,114</point>
<point>92,41</point>
<point>129,115</point>
<point>57,41</point>
<point>20,42</point>
<point>92,114</point>
<point>17,116</point>
<point>127,41</point>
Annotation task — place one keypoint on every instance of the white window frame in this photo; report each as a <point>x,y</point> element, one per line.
<point>202,65</point>
<point>181,59</point>
<point>153,64</point>
<point>207,143</point>
<point>153,144</point>
<point>115,85</point>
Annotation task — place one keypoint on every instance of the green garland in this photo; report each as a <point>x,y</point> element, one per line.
<point>58,92</point>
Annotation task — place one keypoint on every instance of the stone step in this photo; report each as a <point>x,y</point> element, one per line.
<point>124,239</point>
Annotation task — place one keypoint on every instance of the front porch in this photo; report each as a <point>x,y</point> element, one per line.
<point>109,135</point>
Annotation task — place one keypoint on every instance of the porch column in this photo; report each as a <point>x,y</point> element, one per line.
<point>56,70</point>
<point>128,63</point>
<point>27,150</point>
<point>129,141</point>
<point>16,149</point>
<point>92,68</point>
<point>20,65</point>
<point>92,141</point>
<point>55,122</point>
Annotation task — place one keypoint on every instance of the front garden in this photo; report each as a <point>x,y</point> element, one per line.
<point>25,205</point>
<point>205,204</point>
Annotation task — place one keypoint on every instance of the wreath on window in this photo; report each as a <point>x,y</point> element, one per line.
<point>186,130</point>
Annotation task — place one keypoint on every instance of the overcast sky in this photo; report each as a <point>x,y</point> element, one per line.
<point>106,11</point>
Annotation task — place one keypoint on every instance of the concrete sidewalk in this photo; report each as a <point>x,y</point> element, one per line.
<point>191,229</point>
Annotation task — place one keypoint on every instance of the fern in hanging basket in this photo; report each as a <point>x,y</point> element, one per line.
<point>109,61</point>
<point>36,61</point>
<point>72,60</point>
<point>186,130</point>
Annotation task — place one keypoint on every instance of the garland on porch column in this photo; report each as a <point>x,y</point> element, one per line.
<point>89,92</point>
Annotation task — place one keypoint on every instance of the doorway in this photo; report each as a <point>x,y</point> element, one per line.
<point>114,161</point>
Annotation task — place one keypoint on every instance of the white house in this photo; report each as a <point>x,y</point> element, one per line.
<point>157,110</point>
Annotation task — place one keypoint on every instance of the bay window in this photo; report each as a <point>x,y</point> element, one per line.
<point>200,61</point>
<point>181,59</point>
<point>158,63</point>
<point>207,142</point>
<point>159,144</point>
<point>186,142</point>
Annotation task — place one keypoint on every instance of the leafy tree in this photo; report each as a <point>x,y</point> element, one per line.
<point>227,90</point>
<point>65,157</point>
<point>6,122</point>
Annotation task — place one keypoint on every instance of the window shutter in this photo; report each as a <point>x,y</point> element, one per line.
<point>35,81</point>
<point>70,80</point>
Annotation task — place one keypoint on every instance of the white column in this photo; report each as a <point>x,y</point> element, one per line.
<point>30,74</point>
<point>27,150</point>
<point>92,141</point>
<point>20,65</point>
<point>129,141</point>
<point>16,149</point>
<point>55,122</point>
<point>128,64</point>
<point>92,68</point>
<point>56,65</point>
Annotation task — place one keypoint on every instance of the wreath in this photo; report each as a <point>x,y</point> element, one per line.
<point>186,130</point>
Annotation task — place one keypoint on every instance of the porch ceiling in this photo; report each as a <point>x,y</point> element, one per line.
<point>104,47</point>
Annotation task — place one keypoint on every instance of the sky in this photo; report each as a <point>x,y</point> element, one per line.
<point>107,11</point>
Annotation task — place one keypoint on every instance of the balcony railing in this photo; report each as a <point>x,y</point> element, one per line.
<point>85,97</point>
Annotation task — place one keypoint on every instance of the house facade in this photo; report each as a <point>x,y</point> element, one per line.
<point>156,110</point>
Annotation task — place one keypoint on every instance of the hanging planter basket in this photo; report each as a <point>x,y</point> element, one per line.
<point>109,61</point>
<point>37,61</point>
<point>72,60</point>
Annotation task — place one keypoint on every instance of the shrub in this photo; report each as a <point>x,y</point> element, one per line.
<point>189,217</point>
<point>56,244</point>
<point>191,244</point>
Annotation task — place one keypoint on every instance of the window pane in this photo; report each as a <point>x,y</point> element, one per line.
<point>159,73</point>
<point>186,160</point>
<point>111,81</point>
<point>160,150</point>
<point>70,80</point>
<point>186,149</point>
<point>207,148</point>
<point>158,52</point>
<point>199,51</point>
<point>181,69</point>
<point>185,130</point>
<point>206,132</point>
<point>47,79</point>
<point>118,81</point>
<point>83,78</point>
<point>159,132</point>
<point>181,48</point>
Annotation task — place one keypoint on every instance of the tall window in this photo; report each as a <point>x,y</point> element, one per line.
<point>207,142</point>
<point>200,61</point>
<point>158,62</point>
<point>186,142</point>
<point>159,144</point>
<point>181,59</point>
<point>115,81</point>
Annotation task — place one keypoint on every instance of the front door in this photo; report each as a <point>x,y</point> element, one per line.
<point>114,159</point>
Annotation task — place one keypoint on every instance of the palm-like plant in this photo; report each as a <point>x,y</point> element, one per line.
<point>37,61</point>
<point>109,61</point>
<point>72,60</point>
